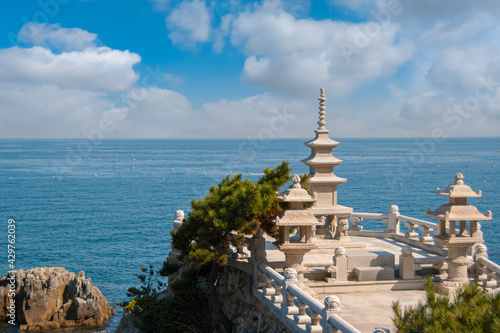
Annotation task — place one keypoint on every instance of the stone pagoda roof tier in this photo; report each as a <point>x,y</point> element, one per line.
<point>322,140</point>
<point>291,217</point>
<point>322,161</point>
<point>456,212</point>
<point>458,189</point>
<point>329,179</point>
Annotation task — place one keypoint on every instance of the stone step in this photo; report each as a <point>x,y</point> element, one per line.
<point>361,258</point>
<point>374,273</point>
<point>317,274</point>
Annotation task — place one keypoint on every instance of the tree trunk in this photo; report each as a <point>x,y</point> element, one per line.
<point>219,319</point>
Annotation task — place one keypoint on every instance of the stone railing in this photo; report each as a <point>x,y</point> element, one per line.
<point>486,271</point>
<point>298,310</point>
<point>418,231</point>
<point>409,265</point>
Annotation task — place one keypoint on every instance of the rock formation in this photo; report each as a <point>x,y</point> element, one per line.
<point>52,297</point>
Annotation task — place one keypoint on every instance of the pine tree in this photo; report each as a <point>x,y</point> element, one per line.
<point>471,310</point>
<point>234,209</point>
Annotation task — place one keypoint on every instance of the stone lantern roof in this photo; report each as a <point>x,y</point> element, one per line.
<point>458,209</point>
<point>294,214</point>
<point>458,189</point>
<point>296,193</point>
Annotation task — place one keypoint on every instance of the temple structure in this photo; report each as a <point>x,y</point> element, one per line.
<point>323,180</point>
<point>331,277</point>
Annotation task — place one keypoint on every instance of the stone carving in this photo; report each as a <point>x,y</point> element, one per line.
<point>179,215</point>
<point>394,209</point>
<point>406,251</point>
<point>332,303</point>
<point>48,298</point>
<point>179,218</point>
<point>481,249</point>
<point>291,275</point>
<point>340,252</point>
<point>343,227</point>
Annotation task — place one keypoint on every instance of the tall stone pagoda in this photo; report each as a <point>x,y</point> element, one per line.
<point>457,241</point>
<point>295,215</point>
<point>324,182</point>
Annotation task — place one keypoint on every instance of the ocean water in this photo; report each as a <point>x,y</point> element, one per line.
<point>107,207</point>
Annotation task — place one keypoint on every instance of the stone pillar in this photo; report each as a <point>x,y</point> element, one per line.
<point>332,306</point>
<point>406,264</point>
<point>393,220</point>
<point>179,218</point>
<point>457,264</point>
<point>341,263</point>
<point>288,307</point>
<point>257,247</point>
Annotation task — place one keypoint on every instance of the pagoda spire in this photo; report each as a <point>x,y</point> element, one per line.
<point>323,182</point>
<point>322,108</point>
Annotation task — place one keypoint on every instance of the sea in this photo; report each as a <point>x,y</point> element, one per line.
<point>106,206</point>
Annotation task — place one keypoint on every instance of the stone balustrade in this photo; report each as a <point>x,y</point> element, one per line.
<point>418,231</point>
<point>298,310</point>
<point>486,271</point>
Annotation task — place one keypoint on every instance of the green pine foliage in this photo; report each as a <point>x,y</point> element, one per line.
<point>471,310</point>
<point>234,209</point>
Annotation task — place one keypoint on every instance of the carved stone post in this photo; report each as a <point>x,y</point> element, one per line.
<point>339,267</point>
<point>288,307</point>
<point>393,220</point>
<point>406,264</point>
<point>257,247</point>
<point>332,306</point>
<point>179,218</point>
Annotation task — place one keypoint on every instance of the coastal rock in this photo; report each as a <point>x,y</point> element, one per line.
<point>52,297</point>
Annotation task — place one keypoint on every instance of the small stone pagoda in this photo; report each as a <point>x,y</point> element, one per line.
<point>323,181</point>
<point>457,241</point>
<point>295,215</point>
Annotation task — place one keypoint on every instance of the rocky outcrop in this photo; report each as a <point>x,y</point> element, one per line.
<point>52,297</point>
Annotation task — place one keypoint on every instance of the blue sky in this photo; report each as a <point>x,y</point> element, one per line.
<point>197,68</point>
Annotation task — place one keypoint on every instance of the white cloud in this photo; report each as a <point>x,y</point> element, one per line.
<point>47,111</point>
<point>295,56</point>
<point>52,35</point>
<point>98,69</point>
<point>189,23</point>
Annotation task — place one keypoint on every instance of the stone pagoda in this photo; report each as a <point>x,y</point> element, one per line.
<point>457,241</point>
<point>295,215</point>
<point>323,182</point>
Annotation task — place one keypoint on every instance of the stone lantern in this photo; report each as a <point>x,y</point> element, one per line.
<point>295,215</point>
<point>457,241</point>
<point>323,180</point>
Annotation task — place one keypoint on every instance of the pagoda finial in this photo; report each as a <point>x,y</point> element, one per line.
<point>322,102</point>
<point>459,179</point>
<point>296,182</point>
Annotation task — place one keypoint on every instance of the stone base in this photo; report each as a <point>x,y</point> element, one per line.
<point>447,287</point>
<point>373,273</point>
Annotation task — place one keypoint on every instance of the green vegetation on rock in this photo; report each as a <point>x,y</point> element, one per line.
<point>470,310</point>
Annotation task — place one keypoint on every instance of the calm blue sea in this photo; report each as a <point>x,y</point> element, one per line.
<point>107,207</point>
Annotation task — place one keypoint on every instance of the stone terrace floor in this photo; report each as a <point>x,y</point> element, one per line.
<point>365,310</point>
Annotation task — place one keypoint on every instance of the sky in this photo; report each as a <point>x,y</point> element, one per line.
<point>248,69</point>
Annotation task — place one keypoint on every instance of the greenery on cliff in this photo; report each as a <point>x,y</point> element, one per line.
<point>471,310</point>
<point>234,209</point>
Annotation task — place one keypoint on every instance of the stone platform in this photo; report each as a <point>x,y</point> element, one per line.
<point>371,298</point>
